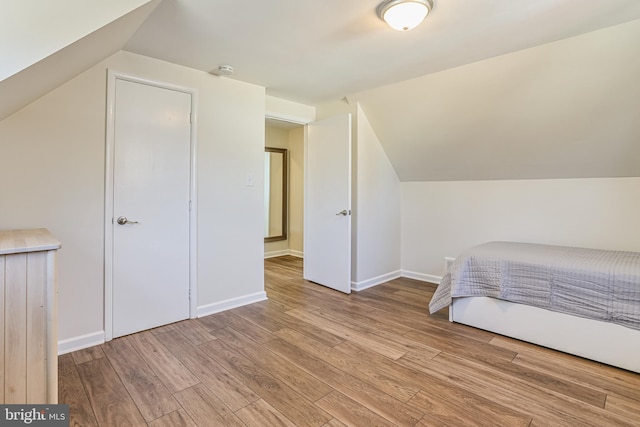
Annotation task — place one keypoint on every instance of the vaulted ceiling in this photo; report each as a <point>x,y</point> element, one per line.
<point>483,89</point>
<point>567,109</point>
<point>314,51</point>
<point>42,47</point>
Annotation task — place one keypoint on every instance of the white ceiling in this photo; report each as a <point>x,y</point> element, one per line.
<point>315,51</point>
<point>43,47</point>
<point>482,90</point>
<point>567,109</point>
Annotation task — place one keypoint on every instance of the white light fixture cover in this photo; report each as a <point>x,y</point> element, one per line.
<point>404,15</point>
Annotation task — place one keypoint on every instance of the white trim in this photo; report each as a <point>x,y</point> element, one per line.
<point>78,343</point>
<point>305,198</point>
<point>283,252</point>
<point>297,254</point>
<point>375,281</point>
<point>421,276</point>
<point>112,76</point>
<point>274,254</point>
<point>267,192</point>
<point>217,307</point>
<point>193,213</point>
<point>287,118</point>
<point>108,206</point>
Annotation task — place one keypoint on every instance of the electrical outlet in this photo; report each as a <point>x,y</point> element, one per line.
<point>249,180</point>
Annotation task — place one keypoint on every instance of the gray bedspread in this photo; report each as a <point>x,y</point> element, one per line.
<point>597,284</point>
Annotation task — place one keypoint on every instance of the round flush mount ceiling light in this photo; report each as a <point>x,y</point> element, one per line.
<point>404,15</point>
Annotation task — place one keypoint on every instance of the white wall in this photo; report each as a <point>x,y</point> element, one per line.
<point>289,111</point>
<point>377,208</point>
<point>52,169</point>
<point>444,218</point>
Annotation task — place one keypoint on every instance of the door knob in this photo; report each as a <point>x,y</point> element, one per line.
<point>343,212</point>
<point>123,220</point>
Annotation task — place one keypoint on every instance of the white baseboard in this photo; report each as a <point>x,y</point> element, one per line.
<point>374,281</point>
<point>421,276</point>
<point>78,343</point>
<point>96,338</point>
<point>205,310</point>
<point>274,254</point>
<point>297,254</point>
<point>283,252</point>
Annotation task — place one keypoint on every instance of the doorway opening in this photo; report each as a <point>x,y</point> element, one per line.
<point>284,219</point>
<point>324,200</point>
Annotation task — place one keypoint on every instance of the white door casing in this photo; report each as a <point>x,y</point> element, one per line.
<point>149,261</point>
<point>327,210</point>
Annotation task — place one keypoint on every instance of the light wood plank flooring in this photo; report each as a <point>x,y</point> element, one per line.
<point>310,356</point>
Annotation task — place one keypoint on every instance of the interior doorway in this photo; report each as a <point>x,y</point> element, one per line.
<point>323,201</point>
<point>283,135</point>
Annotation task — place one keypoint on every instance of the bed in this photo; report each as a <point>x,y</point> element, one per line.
<point>581,301</point>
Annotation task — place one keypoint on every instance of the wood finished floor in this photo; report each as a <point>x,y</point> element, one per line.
<point>310,356</point>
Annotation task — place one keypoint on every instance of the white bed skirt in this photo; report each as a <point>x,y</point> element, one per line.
<point>592,339</point>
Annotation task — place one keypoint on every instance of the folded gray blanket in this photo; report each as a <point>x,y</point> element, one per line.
<point>592,283</point>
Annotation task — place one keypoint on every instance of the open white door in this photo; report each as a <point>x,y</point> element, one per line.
<point>327,210</point>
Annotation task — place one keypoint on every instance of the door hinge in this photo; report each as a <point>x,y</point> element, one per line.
<point>189,205</point>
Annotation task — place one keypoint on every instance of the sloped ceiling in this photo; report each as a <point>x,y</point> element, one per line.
<point>568,109</point>
<point>488,89</point>
<point>313,51</point>
<point>46,46</point>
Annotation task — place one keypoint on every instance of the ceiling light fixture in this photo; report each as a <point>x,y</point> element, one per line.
<point>404,15</point>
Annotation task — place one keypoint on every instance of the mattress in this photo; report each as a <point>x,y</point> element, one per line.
<point>592,283</point>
